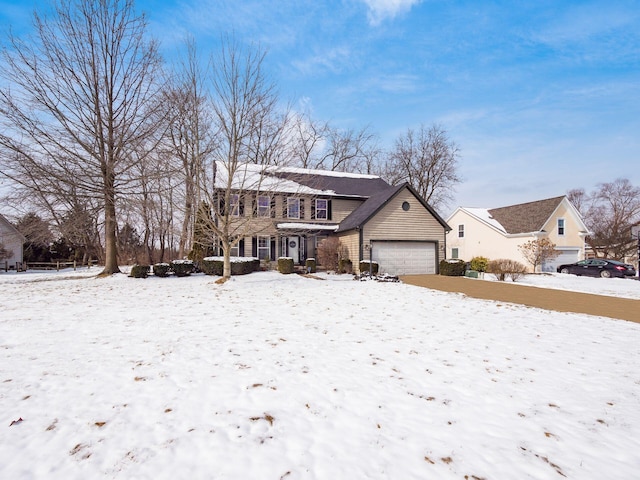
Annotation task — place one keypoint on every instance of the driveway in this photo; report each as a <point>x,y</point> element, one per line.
<point>548,299</point>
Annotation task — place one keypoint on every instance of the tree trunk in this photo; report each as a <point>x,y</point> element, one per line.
<point>110,230</point>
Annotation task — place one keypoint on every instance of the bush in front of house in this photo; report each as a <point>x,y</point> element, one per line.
<point>140,271</point>
<point>504,268</point>
<point>161,269</point>
<point>345,266</point>
<point>285,265</point>
<point>453,268</point>
<point>310,265</point>
<point>366,266</point>
<point>212,266</point>
<point>241,266</point>
<point>479,264</point>
<point>182,268</point>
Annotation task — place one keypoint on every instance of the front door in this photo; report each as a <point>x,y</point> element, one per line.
<point>293,248</point>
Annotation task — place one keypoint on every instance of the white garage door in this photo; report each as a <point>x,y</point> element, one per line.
<point>566,256</point>
<point>405,258</point>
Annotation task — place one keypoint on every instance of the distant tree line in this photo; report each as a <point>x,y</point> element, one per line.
<point>110,153</point>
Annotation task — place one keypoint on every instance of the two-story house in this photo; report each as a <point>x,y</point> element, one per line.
<point>12,241</point>
<point>292,210</point>
<point>498,232</point>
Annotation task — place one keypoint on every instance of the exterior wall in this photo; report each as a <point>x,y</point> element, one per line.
<point>341,208</point>
<point>394,223</point>
<point>12,242</point>
<point>481,240</point>
<point>351,241</point>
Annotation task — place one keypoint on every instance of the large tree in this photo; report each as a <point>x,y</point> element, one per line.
<point>428,160</point>
<point>81,92</point>
<point>609,212</point>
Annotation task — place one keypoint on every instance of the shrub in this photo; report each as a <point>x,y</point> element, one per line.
<point>479,264</point>
<point>161,269</point>
<point>453,268</point>
<point>285,265</point>
<point>140,271</point>
<point>345,266</point>
<point>182,268</point>
<point>366,266</point>
<point>212,266</point>
<point>310,265</point>
<point>215,266</point>
<point>504,267</point>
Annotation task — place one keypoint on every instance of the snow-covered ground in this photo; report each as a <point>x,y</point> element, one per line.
<point>273,376</point>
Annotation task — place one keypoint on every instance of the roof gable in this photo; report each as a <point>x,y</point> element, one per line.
<point>525,217</point>
<point>7,226</point>
<point>373,204</point>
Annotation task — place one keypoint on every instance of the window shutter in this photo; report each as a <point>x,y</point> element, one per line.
<point>254,246</point>
<point>301,213</point>
<point>328,209</point>
<point>313,209</point>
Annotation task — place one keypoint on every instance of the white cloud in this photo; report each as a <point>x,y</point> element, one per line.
<point>379,10</point>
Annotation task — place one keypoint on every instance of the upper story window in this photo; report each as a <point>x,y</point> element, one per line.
<point>322,209</point>
<point>234,205</point>
<point>264,206</point>
<point>460,231</point>
<point>293,208</point>
<point>561,226</point>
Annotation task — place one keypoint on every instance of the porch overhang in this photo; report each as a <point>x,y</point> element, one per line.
<point>306,227</point>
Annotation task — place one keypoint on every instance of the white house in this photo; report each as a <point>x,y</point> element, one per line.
<point>11,240</point>
<point>498,232</point>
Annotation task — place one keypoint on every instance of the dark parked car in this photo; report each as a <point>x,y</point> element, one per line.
<point>599,267</point>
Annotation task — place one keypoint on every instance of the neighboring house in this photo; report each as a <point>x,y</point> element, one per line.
<point>12,241</point>
<point>295,209</point>
<point>497,233</point>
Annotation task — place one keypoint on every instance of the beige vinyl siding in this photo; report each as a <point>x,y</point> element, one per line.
<point>394,223</point>
<point>352,242</point>
<point>571,237</point>
<point>341,208</point>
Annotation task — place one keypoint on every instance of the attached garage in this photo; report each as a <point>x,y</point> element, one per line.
<point>404,258</point>
<point>568,255</point>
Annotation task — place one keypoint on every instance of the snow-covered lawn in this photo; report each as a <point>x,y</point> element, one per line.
<point>275,376</point>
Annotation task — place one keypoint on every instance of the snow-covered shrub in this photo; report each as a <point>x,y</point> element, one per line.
<point>367,266</point>
<point>310,265</point>
<point>504,267</point>
<point>285,265</point>
<point>161,269</point>
<point>239,265</point>
<point>453,268</point>
<point>140,271</point>
<point>212,266</point>
<point>182,268</point>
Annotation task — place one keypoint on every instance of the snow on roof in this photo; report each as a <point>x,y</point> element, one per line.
<point>306,226</point>
<point>484,215</point>
<point>326,173</point>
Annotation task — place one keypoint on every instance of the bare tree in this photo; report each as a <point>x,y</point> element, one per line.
<point>80,99</point>
<point>428,161</point>
<point>537,252</point>
<point>609,212</point>
<point>248,128</point>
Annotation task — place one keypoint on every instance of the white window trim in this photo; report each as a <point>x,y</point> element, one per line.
<point>264,213</point>
<point>234,205</point>
<point>564,227</point>
<point>291,201</point>
<point>325,209</point>
<point>461,231</point>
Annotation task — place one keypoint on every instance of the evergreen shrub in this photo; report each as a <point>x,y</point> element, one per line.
<point>479,264</point>
<point>345,266</point>
<point>182,268</point>
<point>140,271</point>
<point>453,268</point>
<point>310,265</point>
<point>366,266</point>
<point>161,269</point>
<point>285,265</point>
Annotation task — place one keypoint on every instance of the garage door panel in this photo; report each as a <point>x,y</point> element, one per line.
<point>405,258</point>
<point>566,256</point>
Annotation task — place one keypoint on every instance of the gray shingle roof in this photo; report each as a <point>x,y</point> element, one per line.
<point>526,217</point>
<point>359,186</point>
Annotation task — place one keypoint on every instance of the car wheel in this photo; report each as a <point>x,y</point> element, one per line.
<point>605,274</point>
<point>564,270</point>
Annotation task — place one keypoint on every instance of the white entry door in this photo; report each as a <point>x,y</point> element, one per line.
<point>293,248</point>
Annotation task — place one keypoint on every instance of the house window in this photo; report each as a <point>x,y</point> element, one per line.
<point>264,206</point>
<point>454,253</point>
<point>460,231</point>
<point>322,209</point>
<point>561,226</point>
<point>264,247</point>
<point>234,207</point>
<point>293,208</point>
<point>235,250</point>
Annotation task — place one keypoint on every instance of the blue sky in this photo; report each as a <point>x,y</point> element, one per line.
<point>540,96</point>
